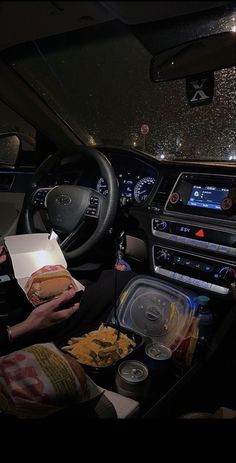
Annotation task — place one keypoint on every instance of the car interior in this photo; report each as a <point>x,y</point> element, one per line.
<point>118,137</point>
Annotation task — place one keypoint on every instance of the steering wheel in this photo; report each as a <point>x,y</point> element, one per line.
<point>70,206</point>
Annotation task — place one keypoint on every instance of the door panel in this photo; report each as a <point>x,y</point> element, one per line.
<point>10,207</point>
<point>13,186</point>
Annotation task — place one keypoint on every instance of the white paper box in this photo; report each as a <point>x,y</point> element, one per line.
<point>31,252</point>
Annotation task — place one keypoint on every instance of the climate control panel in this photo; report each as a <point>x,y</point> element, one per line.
<point>210,274</point>
<point>211,240</point>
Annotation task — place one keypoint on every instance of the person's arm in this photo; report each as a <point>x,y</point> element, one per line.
<point>43,316</point>
<point>3,256</point>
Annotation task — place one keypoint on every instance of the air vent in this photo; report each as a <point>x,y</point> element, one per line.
<point>164,190</point>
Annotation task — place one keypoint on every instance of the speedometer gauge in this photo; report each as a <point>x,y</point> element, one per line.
<point>143,188</point>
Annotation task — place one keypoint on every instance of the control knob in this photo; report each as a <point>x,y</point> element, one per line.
<point>226,204</point>
<point>162,256</point>
<point>227,274</point>
<point>160,225</point>
<point>174,198</point>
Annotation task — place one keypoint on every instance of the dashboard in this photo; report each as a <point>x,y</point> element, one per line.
<point>136,177</point>
<point>183,212</point>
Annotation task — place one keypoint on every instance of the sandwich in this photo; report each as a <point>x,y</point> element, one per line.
<point>47,283</point>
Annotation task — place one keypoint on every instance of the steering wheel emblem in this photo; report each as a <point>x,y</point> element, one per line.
<point>63,200</point>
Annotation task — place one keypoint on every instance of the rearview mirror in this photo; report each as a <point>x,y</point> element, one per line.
<point>202,55</point>
<point>9,149</point>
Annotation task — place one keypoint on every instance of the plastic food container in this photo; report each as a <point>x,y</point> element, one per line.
<point>103,370</point>
<point>159,311</point>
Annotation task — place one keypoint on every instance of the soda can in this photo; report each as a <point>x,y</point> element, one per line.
<point>158,357</point>
<point>132,379</point>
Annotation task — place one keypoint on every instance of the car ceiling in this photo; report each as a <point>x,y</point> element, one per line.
<point>24,21</point>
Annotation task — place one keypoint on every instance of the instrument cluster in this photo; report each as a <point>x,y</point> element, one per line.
<point>134,188</point>
<point>135,177</point>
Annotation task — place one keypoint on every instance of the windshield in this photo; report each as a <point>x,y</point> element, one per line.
<point>97,80</point>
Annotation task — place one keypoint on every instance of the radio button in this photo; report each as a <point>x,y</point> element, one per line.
<point>192,242</point>
<point>187,279</point>
<point>174,237</point>
<point>224,249</point>
<point>203,244</point>
<point>198,244</point>
<point>207,285</point>
<point>182,239</point>
<point>213,247</point>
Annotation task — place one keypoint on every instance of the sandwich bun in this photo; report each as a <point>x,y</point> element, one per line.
<point>47,283</point>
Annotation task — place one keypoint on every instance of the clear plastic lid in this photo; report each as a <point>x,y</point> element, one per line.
<point>156,309</point>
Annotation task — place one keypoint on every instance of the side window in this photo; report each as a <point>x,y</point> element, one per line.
<point>12,123</point>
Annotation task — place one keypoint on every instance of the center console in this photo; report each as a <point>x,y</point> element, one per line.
<point>194,240</point>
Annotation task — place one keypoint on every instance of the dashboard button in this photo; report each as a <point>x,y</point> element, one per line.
<point>197,265</point>
<point>192,242</point>
<point>219,289</point>
<point>179,260</point>
<point>154,209</point>
<point>206,285</point>
<point>182,239</point>
<point>203,244</point>
<point>174,198</point>
<point>189,280</point>
<point>213,247</point>
<point>162,226</point>
<point>224,249</point>
<point>207,268</point>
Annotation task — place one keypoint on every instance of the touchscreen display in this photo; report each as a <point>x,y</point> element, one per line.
<point>209,197</point>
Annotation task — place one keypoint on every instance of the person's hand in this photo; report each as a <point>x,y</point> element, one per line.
<point>46,315</point>
<point>49,313</point>
<point>3,256</point>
